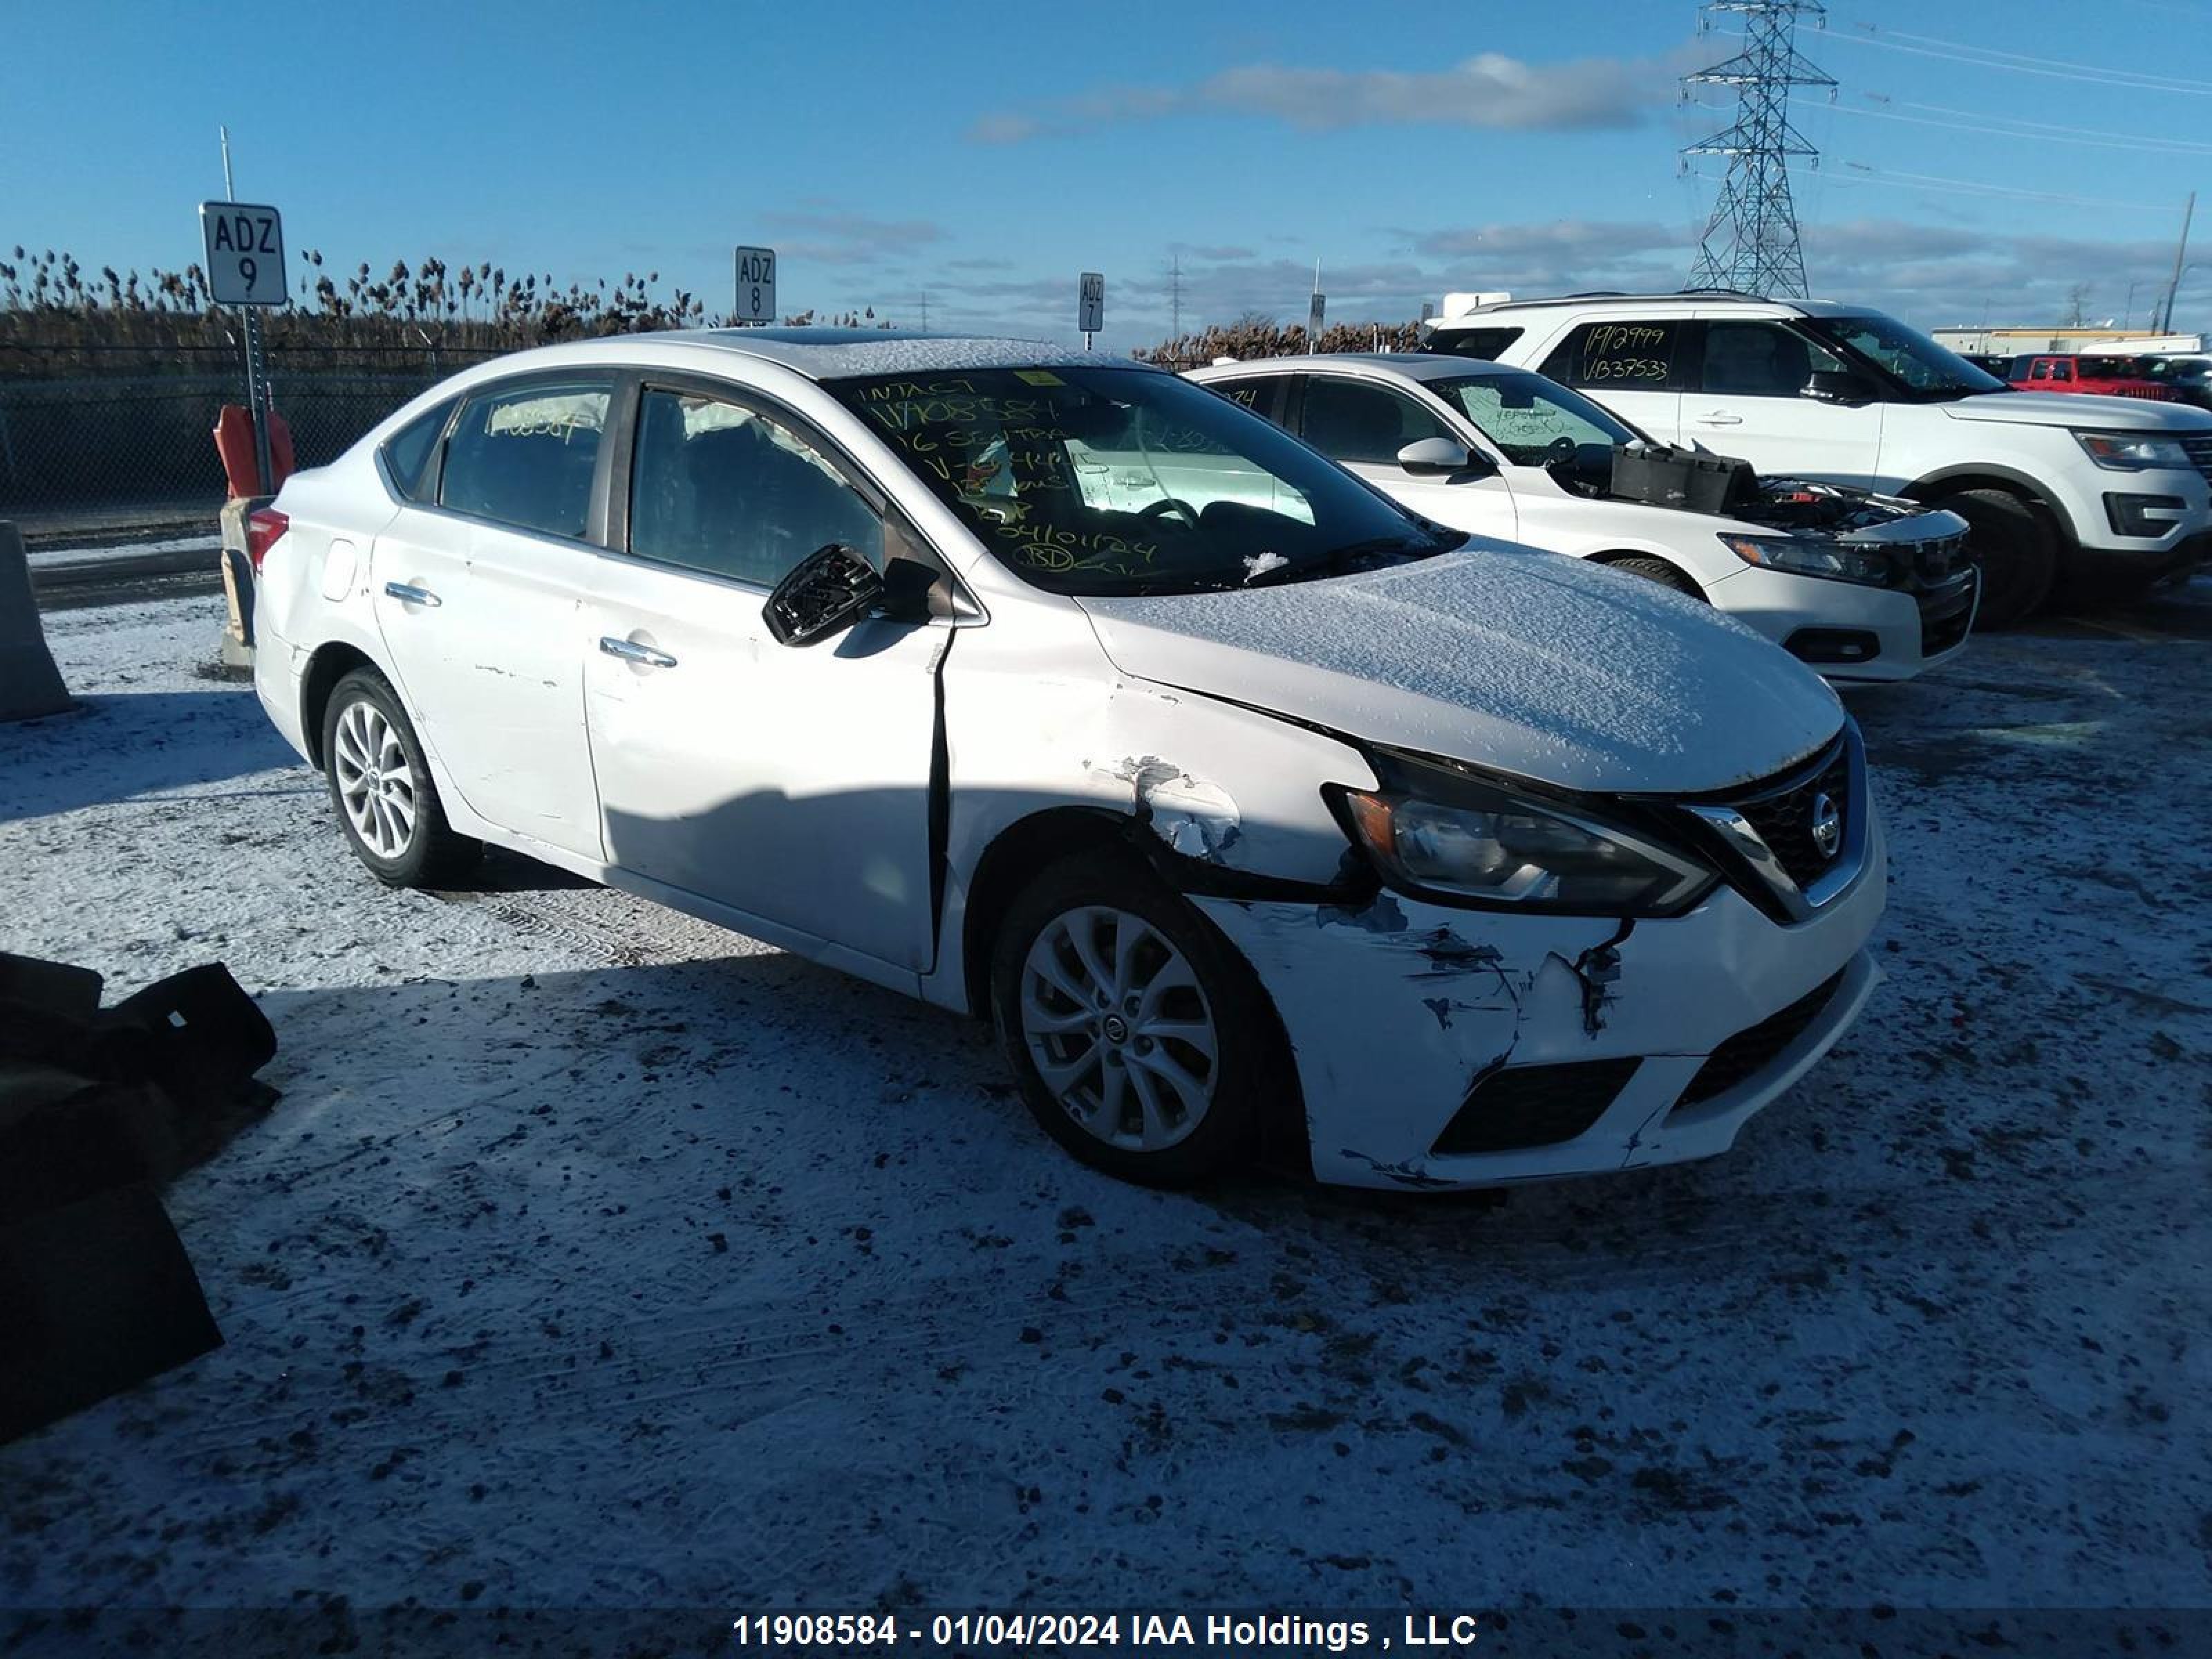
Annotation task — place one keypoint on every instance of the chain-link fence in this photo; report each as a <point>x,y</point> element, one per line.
<point>98,448</point>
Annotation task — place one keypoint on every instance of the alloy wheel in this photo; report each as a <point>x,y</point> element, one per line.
<point>1119,1028</point>
<point>376,783</point>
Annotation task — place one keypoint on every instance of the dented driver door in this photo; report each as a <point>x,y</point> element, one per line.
<point>790,784</point>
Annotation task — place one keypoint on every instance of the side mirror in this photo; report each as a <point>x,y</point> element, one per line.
<point>1838,386</point>
<point>1440,455</point>
<point>825,594</point>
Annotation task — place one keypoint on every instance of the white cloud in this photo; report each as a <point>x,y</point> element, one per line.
<point>1930,274</point>
<point>1490,90</point>
<point>832,237</point>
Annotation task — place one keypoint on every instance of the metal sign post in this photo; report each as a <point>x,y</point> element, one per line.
<point>755,286</point>
<point>1320,303</point>
<point>244,249</point>
<point>260,403</point>
<point>1090,305</point>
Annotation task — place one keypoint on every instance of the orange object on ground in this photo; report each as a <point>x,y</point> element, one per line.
<point>234,441</point>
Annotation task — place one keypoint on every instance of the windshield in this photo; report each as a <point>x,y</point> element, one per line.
<point>1536,422</point>
<point>1906,356</point>
<point>1104,481</point>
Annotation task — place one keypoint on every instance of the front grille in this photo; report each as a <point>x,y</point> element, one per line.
<point>1783,819</point>
<point>2199,447</point>
<point>1750,1052</point>
<point>2156,392</point>
<point>1944,619</point>
<point>1523,1106</point>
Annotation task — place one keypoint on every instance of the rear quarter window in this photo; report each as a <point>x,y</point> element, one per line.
<point>407,452</point>
<point>1483,343</point>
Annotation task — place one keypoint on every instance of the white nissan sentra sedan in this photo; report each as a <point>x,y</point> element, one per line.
<point>1863,586</point>
<point>1256,813</point>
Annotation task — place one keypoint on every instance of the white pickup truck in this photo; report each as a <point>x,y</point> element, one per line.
<point>2090,497</point>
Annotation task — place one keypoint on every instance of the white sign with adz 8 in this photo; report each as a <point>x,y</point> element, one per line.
<point>1090,302</point>
<point>245,253</point>
<point>756,285</point>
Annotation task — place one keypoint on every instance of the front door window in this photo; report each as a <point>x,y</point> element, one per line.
<point>723,488</point>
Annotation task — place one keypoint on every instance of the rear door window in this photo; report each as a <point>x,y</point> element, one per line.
<point>1263,394</point>
<point>1623,354</point>
<point>525,456</point>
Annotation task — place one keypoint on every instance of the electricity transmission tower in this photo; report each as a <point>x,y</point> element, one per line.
<point>1750,243</point>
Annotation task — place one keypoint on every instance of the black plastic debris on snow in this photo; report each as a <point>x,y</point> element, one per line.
<point>99,1110</point>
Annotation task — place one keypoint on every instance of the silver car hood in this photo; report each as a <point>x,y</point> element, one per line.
<point>1532,664</point>
<point>2077,409</point>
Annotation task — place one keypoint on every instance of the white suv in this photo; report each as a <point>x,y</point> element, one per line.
<point>1059,691</point>
<point>2102,495</point>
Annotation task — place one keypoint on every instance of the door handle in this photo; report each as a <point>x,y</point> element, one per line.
<point>631,651</point>
<point>1717,419</point>
<point>411,595</point>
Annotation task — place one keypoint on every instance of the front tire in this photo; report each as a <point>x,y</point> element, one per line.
<point>2016,548</point>
<point>1142,1042</point>
<point>1655,570</point>
<point>381,784</point>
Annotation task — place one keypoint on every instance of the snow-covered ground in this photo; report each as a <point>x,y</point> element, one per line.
<point>597,1258</point>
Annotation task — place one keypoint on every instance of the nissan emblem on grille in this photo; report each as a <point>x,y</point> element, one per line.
<point>1828,825</point>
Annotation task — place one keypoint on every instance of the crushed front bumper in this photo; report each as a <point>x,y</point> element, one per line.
<point>1403,1017</point>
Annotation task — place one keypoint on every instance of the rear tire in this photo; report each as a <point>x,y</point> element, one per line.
<point>1656,570</point>
<point>381,784</point>
<point>1160,1045</point>
<point>2016,548</point>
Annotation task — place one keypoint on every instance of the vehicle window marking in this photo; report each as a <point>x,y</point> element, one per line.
<point>1628,351</point>
<point>1120,481</point>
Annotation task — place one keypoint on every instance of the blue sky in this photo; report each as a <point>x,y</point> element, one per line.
<point>985,153</point>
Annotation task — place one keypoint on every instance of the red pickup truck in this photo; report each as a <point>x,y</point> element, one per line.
<point>2107,377</point>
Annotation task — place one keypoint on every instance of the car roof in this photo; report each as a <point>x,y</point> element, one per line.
<point>831,353</point>
<point>1411,365</point>
<point>1699,298</point>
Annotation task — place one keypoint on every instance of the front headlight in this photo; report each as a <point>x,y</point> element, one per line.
<point>2132,451</point>
<point>1452,836</point>
<point>1797,557</point>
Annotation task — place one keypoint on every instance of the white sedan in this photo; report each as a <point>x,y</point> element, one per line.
<point>1861,587</point>
<point>1253,813</point>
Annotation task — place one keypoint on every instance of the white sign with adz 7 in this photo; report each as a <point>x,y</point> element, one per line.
<point>756,285</point>
<point>244,247</point>
<point>1090,302</point>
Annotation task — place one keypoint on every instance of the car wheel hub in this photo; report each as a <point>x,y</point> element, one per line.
<point>1142,1078</point>
<point>375,782</point>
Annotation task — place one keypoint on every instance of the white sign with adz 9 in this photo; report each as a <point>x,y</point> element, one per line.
<point>245,253</point>
<point>1090,302</point>
<point>756,285</point>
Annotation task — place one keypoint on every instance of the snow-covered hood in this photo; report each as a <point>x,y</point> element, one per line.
<point>1529,663</point>
<point>2078,408</point>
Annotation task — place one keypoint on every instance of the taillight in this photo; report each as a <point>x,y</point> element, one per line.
<point>264,528</point>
